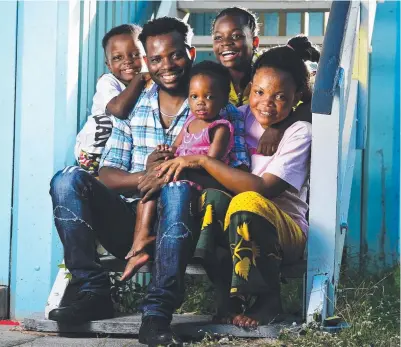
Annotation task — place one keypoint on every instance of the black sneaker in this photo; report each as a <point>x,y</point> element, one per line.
<point>156,331</point>
<point>86,307</point>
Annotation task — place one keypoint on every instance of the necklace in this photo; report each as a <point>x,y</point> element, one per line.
<point>167,115</point>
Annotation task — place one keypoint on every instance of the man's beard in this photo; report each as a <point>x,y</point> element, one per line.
<point>181,88</point>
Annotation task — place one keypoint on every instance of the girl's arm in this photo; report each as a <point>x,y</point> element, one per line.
<point>121,105</point>
<point>234,180</point>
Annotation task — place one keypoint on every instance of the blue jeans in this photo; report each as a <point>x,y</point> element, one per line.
<point>176,239</point>
<point>85,211</point>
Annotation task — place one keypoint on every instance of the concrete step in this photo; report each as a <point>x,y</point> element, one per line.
<point>296,270</point>
<point>185,325</point>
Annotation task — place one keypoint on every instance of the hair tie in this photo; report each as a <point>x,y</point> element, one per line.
<point>290,47</point>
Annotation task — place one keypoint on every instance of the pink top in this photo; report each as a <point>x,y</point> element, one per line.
<point>291,163</point>
<point>199,143</point>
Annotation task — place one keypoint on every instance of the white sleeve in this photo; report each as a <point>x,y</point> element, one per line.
<point>107,88</point>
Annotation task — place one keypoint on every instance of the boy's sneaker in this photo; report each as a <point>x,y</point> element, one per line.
<point>86,307</point>
<point>156,331</point>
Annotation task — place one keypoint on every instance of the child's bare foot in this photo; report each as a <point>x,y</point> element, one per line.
<point>134,264</point>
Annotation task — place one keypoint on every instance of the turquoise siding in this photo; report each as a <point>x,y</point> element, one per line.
<point>271,21</point>
<point>45,124</point>
<point>373,238</point>
<point>316,21</point>
<point>48,52</point>
<point>201,23</point>
<point>293,25</point>
<point>8,24</point>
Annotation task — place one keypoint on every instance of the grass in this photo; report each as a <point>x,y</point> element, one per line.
<point>370,304</point>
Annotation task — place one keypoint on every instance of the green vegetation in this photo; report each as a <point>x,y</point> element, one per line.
<point>369,304</point>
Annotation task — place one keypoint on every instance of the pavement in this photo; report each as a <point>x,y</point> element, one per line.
<point>11,336</point>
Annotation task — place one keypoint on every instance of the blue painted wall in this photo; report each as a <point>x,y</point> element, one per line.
<point>8,24</point>
<point>373,238</point>
<point>293,25</point>
<point>271,23</point>
<point>54,67</point>
<point>316,21</point>
<point>381,167</point>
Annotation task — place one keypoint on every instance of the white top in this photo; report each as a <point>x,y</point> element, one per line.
<point>291,163</point>
<point>107,87</point>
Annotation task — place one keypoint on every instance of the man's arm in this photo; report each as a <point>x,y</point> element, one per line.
<point>119,180</point>
<point>116,160</point>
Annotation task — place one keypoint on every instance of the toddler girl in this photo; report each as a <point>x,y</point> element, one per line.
<point>204,132</point>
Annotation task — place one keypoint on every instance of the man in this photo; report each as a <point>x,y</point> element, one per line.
<point>86,210</point>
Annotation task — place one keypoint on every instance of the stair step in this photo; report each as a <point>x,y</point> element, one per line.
<point>111,263</point>
<point>185,325</point>
<point>258,5</point>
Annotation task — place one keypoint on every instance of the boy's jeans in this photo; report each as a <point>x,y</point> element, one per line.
<point>85,211</point>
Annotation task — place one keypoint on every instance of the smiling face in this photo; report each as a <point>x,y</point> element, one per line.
<point>206,97</point>
<point>273,94</point>
<point>233,42</point>
<point>169,60</point>
<point>123,57</point>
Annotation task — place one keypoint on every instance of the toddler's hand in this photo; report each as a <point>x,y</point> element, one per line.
<point>164,148</point>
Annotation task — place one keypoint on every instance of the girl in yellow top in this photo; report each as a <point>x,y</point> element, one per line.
<point>235,44</point>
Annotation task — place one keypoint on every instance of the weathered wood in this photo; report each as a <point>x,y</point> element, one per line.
<point>188,325</point>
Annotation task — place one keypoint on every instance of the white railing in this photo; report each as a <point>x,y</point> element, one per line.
<point>339,117</point>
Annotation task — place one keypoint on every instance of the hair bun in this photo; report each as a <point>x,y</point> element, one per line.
<point>303,47</point>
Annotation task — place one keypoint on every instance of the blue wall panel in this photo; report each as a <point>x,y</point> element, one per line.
<point>8,24</point>
<point>381,182</point>
<point>271,24</point>
<point>44,133</point>
<point>293,26</point>
<point>202,23</point>
<point>316,20</point>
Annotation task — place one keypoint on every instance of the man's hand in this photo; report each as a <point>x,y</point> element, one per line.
<point>158,155</point>
<point>269,141</point>
<point>150,184</point>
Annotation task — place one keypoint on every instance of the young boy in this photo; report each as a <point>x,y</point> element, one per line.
<point>116,93</point>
